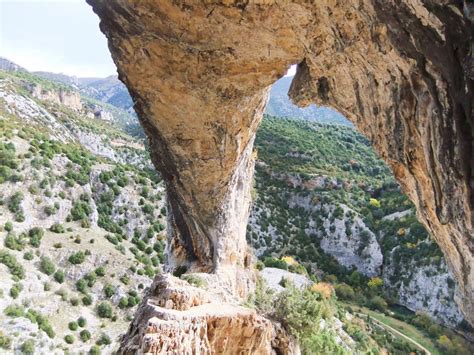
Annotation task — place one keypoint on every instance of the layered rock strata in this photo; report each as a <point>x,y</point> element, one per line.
<point>199,73</point>
<point>177,318</point>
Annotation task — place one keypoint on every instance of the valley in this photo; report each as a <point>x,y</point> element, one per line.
<point>83,216</point>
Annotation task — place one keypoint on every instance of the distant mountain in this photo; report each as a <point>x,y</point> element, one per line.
<point>8,65</point>
<point>280,105</point>
<point>112,91</point>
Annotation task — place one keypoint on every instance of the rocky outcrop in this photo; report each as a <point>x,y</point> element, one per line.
<point>68,98</point>
<point>423,288</point>
<point>176,317</point>
<point>344,236</point>
<point>199,74</point>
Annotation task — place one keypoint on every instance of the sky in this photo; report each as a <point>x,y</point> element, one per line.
<point>60,36</point>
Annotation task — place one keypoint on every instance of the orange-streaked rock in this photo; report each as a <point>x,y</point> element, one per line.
<point>199,73</point>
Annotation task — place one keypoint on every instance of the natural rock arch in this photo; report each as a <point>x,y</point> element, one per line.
<point>199,73</point>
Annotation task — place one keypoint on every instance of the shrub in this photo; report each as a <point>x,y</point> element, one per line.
<point>12,242</point>
<point>28,347</point>
<point>94,350</point>
<point>435,330</point>
<point>180,270</point>
<point>74,301</point>
<point>5,342</point>
<point>105,176</point>
<point>85,223</point>
<point>345,292</point>
<point>87,300</point>
<point>47,266</point>
<point>16,269</point>
<point>194,280</point>
<point>109,290</point>
<point>124,279</point>
<point>148,209</point>
<point>14,205</point>
<point>36,234</point>
<point>104,340</point>
<point>28,255</point>
<point>62,293</point>
<point>100,271</point>
<point>42,321</point>
<point>338,212</point>
<point>375,283</point>
<point>322,342</point>
<point>123,303</point>
<point>104,310</point>
<point>57,228</point>
<point>323,288</point>
<point>72,326</point>
<point>300,311</point>
<point>133,301</point>
<point>15,290</point>
<point>276,263</point>
<point>50,210</point>
<point>81,210</point>
<point>81,321</point>
<point>85,335</point>
<point>59,276</point>
<point>8,226</point>
<point>81,285</point>
<point>20,217</point>
<point>298,269</point>
<point>77,258</point>
<point>69,339</point>
<point>14,311</point>
<point>113,239</point>
<point>374,203</point>
<point>378,303</point>
<point>90,278</point>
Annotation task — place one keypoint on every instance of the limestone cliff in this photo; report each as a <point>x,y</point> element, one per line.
<point>67,98</point>
<point>199,73</point>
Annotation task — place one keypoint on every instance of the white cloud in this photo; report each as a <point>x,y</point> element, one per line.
<point>291,71</point>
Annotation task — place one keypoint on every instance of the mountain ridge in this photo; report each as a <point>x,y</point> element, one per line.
<point>111,90</point>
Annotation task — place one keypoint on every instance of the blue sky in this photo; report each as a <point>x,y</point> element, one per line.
<point>54,35</point>
<point>60,36</point>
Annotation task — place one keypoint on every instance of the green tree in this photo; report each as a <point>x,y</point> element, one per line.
<point>47,266</point>
<point>104,310</point>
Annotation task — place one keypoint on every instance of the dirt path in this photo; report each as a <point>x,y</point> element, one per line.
<point>393,330</point>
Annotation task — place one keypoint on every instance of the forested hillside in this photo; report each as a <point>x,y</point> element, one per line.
<point>83,219</point>
<point>327,202</point>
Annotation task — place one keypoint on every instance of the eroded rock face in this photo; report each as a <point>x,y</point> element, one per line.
<point>199,73</point>
<point>70,99</point>
<point>178,318</point>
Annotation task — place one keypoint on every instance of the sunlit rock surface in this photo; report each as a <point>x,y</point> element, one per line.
<point>199,73</point>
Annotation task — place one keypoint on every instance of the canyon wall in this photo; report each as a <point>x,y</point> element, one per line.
<point>67,98</point>
<point>199,74</point>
